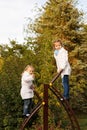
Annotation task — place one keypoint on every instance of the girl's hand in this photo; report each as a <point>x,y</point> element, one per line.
<point>32,87</point>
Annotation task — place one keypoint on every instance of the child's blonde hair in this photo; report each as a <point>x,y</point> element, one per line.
<point>57,41</point>
<point>28,66</point>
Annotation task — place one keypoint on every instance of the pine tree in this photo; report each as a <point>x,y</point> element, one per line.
<point>61,20</point>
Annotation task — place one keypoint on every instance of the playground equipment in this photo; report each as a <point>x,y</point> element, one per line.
<point>44,103</point>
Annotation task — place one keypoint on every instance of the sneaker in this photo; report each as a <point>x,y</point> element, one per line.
<point>27,115</point>
<point>61,99</point>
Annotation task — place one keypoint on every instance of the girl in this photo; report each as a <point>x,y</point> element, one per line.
<point>61,57</point>
<point>27,89</point>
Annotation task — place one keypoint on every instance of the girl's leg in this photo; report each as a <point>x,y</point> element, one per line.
<point>65,81</point>
<point>30,105</point>
<point>26,106</point>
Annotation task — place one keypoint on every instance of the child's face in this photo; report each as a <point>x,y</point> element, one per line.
<point>30,70</point>
<point>57,45</point>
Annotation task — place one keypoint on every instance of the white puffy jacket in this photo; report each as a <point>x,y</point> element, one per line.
<point>26,83</point>
<point>62,62</point>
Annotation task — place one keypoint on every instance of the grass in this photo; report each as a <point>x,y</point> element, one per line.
<point>82,119</point>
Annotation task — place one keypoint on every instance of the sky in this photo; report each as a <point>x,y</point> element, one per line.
<point>13,15</point>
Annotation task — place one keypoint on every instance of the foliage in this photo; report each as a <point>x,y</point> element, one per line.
<point>14,58</point>
<point>60,19</point>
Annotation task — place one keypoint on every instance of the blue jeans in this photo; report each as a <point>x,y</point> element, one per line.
<point>27,106</point>
<point>65,82</point>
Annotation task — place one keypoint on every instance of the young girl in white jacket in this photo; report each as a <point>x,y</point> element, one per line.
<point>61,57</point>
<point>27,89</point>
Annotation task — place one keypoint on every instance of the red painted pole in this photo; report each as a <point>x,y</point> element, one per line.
<point>45,108</point>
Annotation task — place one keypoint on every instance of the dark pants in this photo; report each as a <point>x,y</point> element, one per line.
<point>27,106</point>
<point>65,81</point>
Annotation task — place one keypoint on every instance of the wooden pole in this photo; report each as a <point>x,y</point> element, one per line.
<point>45,108</point>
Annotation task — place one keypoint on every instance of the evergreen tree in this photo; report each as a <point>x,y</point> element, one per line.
<point>61,20</point>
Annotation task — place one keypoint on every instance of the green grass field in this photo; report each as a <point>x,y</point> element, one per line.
<point>83,122</point>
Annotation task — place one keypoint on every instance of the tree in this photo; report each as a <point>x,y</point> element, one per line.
<point>13,60</point>
<point>61,20</point>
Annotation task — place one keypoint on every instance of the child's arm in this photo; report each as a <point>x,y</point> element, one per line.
<point>28,78</point>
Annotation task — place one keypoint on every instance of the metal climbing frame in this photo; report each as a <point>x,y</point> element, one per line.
<point>35,109</point>
<point>71,115</point>
<point>44,103</point>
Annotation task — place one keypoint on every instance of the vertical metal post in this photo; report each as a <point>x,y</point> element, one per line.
<point>45,108</point>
